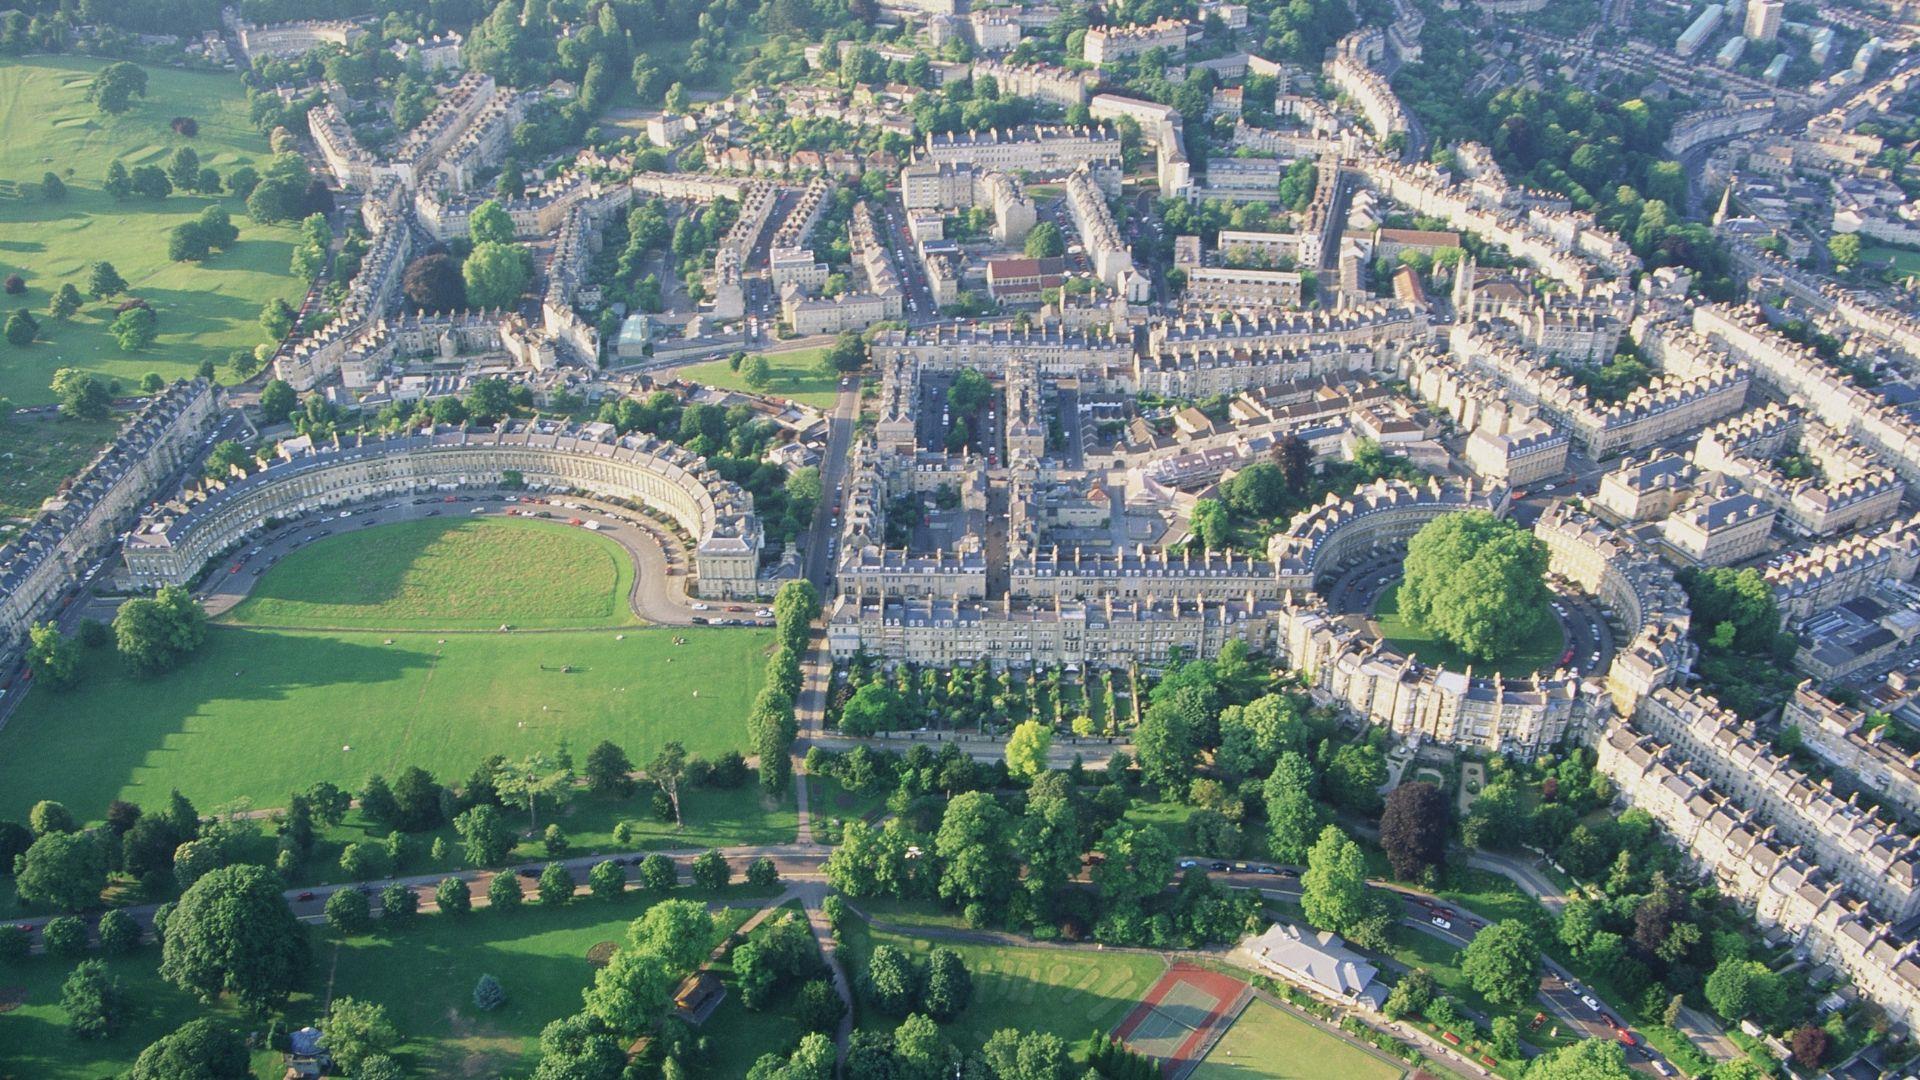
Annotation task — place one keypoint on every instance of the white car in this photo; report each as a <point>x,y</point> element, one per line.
<point>1587,1000</point>
<point>697,606</point>
<point>763,613</point>
<point>1441,923</point>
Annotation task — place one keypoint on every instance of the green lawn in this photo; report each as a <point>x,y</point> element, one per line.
<point>448,574</point>
<point>258,713</point>
<point>1067,992</point>
<point>206,310</point>
<point>1903,260</point>
<point>38,454</point>
<point>1267,1041</point>
<point>423,974</point>
<point>1540,651</point>
<point>796,375</point>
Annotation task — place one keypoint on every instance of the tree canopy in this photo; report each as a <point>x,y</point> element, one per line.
<point>1477,582</point>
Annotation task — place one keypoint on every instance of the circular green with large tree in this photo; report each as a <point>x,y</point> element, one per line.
<point>1475,591</point>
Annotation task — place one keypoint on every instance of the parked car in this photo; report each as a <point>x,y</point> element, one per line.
<point>1441,923</point>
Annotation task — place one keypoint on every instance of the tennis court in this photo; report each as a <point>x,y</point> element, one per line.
<point>1182,1016</point>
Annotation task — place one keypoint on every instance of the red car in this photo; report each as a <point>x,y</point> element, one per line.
<point>304,896</point>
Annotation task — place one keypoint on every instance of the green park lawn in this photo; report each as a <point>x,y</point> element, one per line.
<point>447,574</point>
<point>1068,992</point>
<point>1267,1041</point>
<point>206,309</point>
<point>423,973</point>
<point>258,713</point>
<point>1539,651</point>
<point>1903,260</point>
<point>796,376</point>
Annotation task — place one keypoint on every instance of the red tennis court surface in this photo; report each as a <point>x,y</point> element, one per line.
<point>1182,1016</point>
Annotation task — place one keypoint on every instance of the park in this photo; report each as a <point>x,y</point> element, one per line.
<point>262,710</point>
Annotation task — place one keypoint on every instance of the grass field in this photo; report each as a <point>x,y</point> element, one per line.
<point>38,454</point>
<point>1903,260</point>
<point>1537,652</point>
<point>448,574</point>
<point>206,309</point>
<point>1268,1042</point>
<point>258,713</point>
<point>795,376</point>
<point>423,974</point>
<point>1067,992</point>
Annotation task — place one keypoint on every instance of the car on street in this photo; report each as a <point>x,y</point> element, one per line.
<point>303,897</point>
<point>698,606</point>
<point>1188,864</point>
<point>1441,923</point>
<point>1589,1002</point>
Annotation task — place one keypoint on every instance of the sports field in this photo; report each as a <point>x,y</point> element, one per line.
<point>206,309</point>
<point>1538,652</point>
<point>258,713</point>
<point>447,574</point>
<point>1270,1043</point>
<point>796,375</point>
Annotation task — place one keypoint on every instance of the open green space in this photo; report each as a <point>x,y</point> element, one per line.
<point>1267,1041</point>
<point>40,452</point>
<point>423,973</point>
<point>445,574</point>
<point>258,713</point>
<point>206,309</point>
<point>796,376</point>
<point>1903,260</point>
<point>1539,651</point>
<point>1068,992</point>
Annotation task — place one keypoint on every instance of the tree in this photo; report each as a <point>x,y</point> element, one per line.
<point>975,846</point>
<point>488,994</point>
<point>151,181</point>
<point>66,302</point>
<point>277,318</point>
<point>1294,816</point>
<point>657,874</point>
<point>48,817</point>
<point>1845,249</point>
<point>357,1030</point>
<point>490,224</point>
<point>1167,742</point>
<point>1411,995</point>
<point>817,1007</point>
<point>1413,830</point>
<point>1136,861</point>
<point>1033,1055</point>
<point>1333,890</point>
<point>82,396</point>
<point>1477,582</point>
<point>1503,963</point>
<point>183,168</point>
<point>452,896</point>
<point>154,634</point>
<point>135,328</point>
<point>21,328</point>
<point>949,986</point>
<point>66,870</point>
<point>1253,736</point>
<point>556,884</point>
<point>608,880</point>
<point>93,1000</point>
<point>1808,1043</point>
<point>496,274</point>
<point>232,932</point>
<point>874,708</point>
<point>104,281</point>
<point>1027,749</point>
<point>52,188</point>
<point>119,933</point>
<point>1045,241</point>
<point>763,873</point>
<point>200,1049</point>
<point>399,903</point>
<point>114,87</point>
<point>710,870</point>
<point>533,778</point>
<point>503,892</point>
<point>64,936</point>
<point>432,282</point>
<point>1739,988</point>
<point>1590,1059</point>
<point>667,769</point>
<point>53,657</point>
<point>757,372</point>
<point>218,228</point>
<point>891,981</point>
<point>118,182</point>
<point>349,911</point>
<point>1259,490</point>
<point>608,770</point>
<point>488,400</point>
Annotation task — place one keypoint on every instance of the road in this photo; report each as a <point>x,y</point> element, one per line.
<point>660,561</point>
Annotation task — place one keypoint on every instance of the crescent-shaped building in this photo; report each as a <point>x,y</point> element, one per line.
<point>173,543</point>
